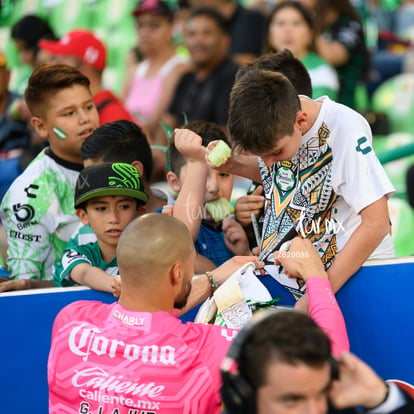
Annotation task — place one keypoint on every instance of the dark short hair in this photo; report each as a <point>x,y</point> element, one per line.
<point>212,14</point>
<point>283,62</point>
<point>263,108</point>
<point>30,29</point>
<point>289,337</point>
<point>119,141</point>
<point>48,79</point>
<point>208,131</point>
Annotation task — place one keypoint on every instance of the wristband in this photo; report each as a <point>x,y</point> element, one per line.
<point>213,283</point>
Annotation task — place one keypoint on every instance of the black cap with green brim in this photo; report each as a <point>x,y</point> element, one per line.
<point>109,179</point>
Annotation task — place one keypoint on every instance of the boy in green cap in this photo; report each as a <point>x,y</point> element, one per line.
<point>107,197</point>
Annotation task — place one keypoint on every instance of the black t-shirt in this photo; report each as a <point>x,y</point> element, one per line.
<point>350,34</point>
<point>247,30</point>
<point>206,100</point>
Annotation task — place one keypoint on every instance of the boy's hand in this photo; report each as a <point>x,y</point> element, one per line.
<point>189,144</point>
<point>235,237</point>
<point>226,167</point>
<point>302,304</point>
<point>14,284</point>
<point>116,286</point>
<point>245,205</point>
<point>301,260</point>
<point>168,209</point>
<point>224,271</point>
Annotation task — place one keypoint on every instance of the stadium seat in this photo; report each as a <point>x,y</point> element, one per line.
<point>402,219</point>
<point>65,16</point>
<point>116,27</point>
<point>395,97</point>
<point>397,169</point>
<point>107,14</point>
<point>24,7</point>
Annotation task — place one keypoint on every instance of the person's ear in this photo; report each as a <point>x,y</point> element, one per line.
<point>174,181</point>
<point>139,166</point>
<point>176,273</point>
<point>301,120</point>
<point>142,209</point>
<point>40,126</point>
<point>83,216</point>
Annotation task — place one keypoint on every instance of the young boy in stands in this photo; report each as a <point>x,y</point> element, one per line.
<point>196,185</point>
<point>124,141</point>
<point>321,177</point>
<point>107,197</point>
<point>37,211</point>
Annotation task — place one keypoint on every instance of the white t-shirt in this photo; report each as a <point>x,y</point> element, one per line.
<point>322,190</point>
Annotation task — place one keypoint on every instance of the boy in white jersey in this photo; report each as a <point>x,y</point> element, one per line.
<point>37,211</point>
<point>107,197</point>
<point>321,177</point>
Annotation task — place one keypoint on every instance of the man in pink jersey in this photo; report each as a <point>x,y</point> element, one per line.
<point>135,356</point>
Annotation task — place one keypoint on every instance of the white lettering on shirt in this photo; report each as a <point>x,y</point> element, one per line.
<point>84,341</point>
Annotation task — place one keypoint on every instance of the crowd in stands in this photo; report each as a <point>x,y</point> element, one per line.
<point>129,187</point>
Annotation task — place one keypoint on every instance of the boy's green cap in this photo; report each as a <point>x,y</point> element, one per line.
<point>109,179</point>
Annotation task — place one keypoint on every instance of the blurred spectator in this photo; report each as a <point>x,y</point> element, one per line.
<point>290,26</point>
<point>26,33</point>
<point>340,41</point>
<point>246,28</point>
<point>402,20</point>
<point>388,49</point>
<point>149,91</point>
<point>203,93</point>
<point>14,136</point>
<point>264,6</point>
<point>84,51</point>
<point>180,17</point>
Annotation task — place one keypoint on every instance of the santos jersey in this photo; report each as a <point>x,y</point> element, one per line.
<point>82,248</point>
<point>321,191</point>
<point>39,216</point>
<point>108,359</point>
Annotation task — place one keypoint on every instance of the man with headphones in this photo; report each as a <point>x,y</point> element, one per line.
<point>281,363</point>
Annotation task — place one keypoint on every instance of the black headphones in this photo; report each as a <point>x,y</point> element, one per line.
<point>237,394</point>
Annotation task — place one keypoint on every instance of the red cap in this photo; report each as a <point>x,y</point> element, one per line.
<point>80,43</point>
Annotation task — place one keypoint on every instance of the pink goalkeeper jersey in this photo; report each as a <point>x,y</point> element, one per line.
<point>105,359</point>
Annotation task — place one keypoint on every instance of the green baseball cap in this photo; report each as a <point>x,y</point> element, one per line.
<point>109,179</point>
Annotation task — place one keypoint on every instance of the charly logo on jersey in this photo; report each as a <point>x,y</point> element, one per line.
<point>363,146</point>
<point>29,190</point>
<point>85,341</point>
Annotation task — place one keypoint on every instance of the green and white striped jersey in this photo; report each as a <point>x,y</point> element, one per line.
<point>39,216</point>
